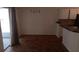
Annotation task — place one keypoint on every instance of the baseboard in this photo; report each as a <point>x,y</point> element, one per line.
<point>22,35</point>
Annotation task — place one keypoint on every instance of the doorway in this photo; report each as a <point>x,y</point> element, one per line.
<point>5,27</point>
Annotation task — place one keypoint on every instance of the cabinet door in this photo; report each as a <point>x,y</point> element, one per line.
<point>67,39</point>
<point>1,41</point>
<point>71,40</point>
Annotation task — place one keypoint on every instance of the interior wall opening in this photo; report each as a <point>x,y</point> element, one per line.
<point>5,26</point>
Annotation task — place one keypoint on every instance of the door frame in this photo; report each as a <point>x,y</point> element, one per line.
<point>1,40</point>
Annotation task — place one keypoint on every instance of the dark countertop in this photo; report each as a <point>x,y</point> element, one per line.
<point>68,24</point>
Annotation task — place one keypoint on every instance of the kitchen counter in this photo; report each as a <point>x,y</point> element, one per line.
<point>68,24</point>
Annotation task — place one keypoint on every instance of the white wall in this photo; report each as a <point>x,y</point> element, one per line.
<point>30,21</point>
<point>37,20</point>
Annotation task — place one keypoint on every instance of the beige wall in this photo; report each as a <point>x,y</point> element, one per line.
<point>37,20</point>
<point>18,20</point>
<point>63,13</point>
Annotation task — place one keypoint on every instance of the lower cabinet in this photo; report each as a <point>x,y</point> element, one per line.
<point>71,40</point>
